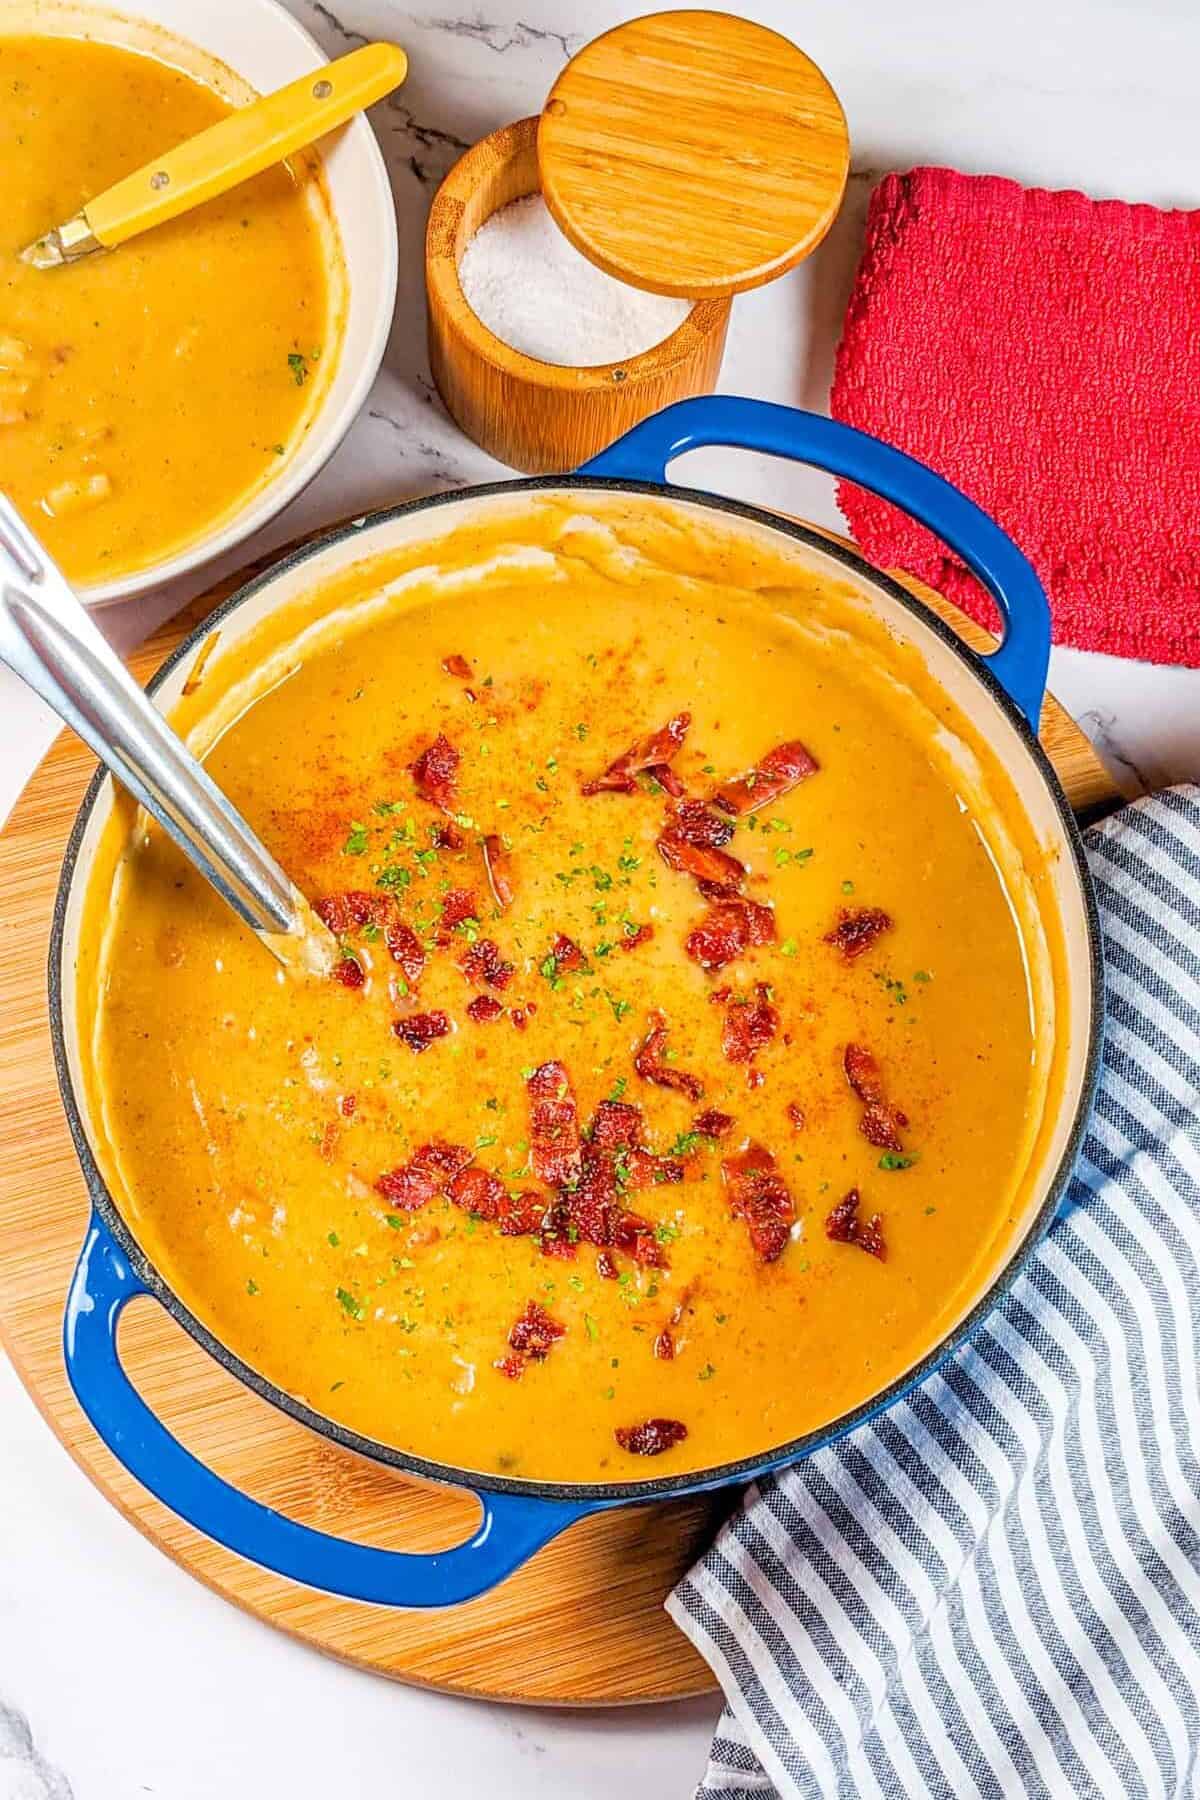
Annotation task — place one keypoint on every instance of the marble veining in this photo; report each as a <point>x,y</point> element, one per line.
<point>137,1679</point>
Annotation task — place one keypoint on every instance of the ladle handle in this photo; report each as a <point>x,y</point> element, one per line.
<point>47,638</point>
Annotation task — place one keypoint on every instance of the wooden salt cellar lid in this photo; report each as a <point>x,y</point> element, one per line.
<point>692,153</point>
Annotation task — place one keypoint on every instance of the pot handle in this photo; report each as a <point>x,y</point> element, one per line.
<point>513,1526</point>
<point>1021,663</point>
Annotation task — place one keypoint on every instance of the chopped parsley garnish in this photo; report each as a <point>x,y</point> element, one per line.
<point>349,1304</point>
<point>896,1159</point>
<point>252,1286</point>
<point>590,1326</point>
<point>356,843</point>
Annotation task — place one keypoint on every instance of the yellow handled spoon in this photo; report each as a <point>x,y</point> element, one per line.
<point>230,152</point>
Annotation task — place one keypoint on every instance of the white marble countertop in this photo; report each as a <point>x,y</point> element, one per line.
<point>132,1678</point>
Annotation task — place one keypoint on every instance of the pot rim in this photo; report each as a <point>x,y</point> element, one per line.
<point>744,1469</point>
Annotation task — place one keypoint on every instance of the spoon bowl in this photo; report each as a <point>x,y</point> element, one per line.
<point>49,640</point>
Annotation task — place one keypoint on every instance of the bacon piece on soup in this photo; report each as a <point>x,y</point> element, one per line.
<point>606,1268</point>
<point>757,1193</point>
<point>405,1189</point>
<point>404,948</point>
<point>845,1227</point>
<point>617,1125</point>
<point>441,1160</point>
<point>856,929</point>
<point>497,866</point>
<point>749,1026</point>
<point>635,1236</point>
<point>521,1215</point>
<point>664,1346</point>
<point>483,1009</point>
<point>459,905</point>
<point>666,778</point>
<point>553,1125</point>
<point>513,1366</point>
<point>881,1123</point>
<point>777,774</point>
<point>419,1030</point>
<point>651,1064</point>
<point>641,935</point>
<point>484,963</point>
<point>435,773</point>
<point>656,749</point>
<point>795,1115</point>
<point>727,930</point>
<point>535,1333</point>
<point>477,1191</point>
<point>719,874</point>
<point>566,955</point>
<point>348,1103</point>
<point>695,822</point>
<point>349,971</point>
<point>458,666</point>
<point>351,910</point>
<point>712,1124</point>
<point>652,1437</point>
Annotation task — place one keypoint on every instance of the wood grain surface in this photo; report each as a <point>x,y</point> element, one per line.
<point>582,1624</point>
<point>693,153</point>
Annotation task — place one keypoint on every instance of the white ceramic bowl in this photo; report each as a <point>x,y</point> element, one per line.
<point>257,43</point>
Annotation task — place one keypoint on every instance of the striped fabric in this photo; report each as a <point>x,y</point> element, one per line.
<point>994,1589</point>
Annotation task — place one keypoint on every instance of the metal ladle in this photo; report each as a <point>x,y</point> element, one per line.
<point>48,639</point>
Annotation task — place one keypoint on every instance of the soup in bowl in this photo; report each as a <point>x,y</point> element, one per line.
<point>162,400</point>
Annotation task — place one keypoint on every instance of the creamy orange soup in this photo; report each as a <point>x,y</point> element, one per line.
<point>145,394</point>
<point>680,1077</point>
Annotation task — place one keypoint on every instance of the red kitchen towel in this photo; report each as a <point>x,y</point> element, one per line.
<point>1042,351</point>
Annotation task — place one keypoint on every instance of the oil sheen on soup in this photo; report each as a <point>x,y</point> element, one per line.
<point>144,395</point>
<point>674,1084</point>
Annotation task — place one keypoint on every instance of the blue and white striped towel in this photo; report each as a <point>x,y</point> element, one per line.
<point>994,1589</point>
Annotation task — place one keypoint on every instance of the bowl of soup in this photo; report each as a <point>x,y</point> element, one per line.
<point>714,1018</point>
<point>160,402</point>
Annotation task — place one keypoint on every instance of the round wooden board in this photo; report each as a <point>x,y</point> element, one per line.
<point>582,1624</point>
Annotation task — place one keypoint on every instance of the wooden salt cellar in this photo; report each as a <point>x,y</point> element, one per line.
<point>688,153</point>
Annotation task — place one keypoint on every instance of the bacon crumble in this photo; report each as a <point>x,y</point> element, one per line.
<point>483,1009</point>
<point>651,1437</point>
<point>881,1123</point>
<point>844,1226</point>
<point>649,754</point>
<point>777,774</point>
<point>349,971</point>
<point>419,1030</point>
<point>856,929</point>
<point>727,930</point>
<point>650,1062</point>
<point>750,1025</point>
<point>458,666</point>
<point>459,905</point>
<point>404,948</point>
<point>712,1123</point>
<point>435,773</point>
<point>758,1194</point>
<point>553,1125</point>
<point>484,963</point>
<point>535,1333</point>
<point>632,939</point>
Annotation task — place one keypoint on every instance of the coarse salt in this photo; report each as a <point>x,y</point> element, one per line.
<point>534,290</point>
